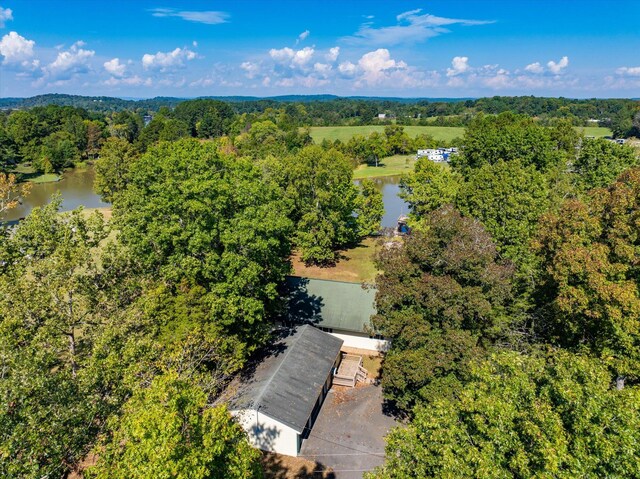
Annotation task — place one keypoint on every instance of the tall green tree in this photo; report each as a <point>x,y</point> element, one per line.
<point>428,187</point>
<point>553,415</point>
<point>443,299</point>
<point>600,162</point>
<point>587,293</point>
<point>508,198</point>
<point>170,431</point>
<point>369,208</point>
<point>112,168</point>
<point>189,213</point>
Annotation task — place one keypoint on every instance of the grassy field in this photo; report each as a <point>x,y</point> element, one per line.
<point>391,166</point>
<point>597,131</point>
<point>27,173</point>
<point>355,265</point>
<point>343,133</point>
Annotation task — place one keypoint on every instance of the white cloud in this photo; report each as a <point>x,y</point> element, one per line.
<point>303,35</point>
<point>534,68</point>
<point>167,61</point>
<point>302,57</point>
<point>6,14</point>
<point>333,54</point>
<point>207,17</point>
<point>69,63</point>
<point>282,54</point>
<point>130,81</point>
<point>347,69</point>
<point>411,27</point>
<point>629,71</point>
<point>556,68</point>
<point>115,68</point>
<point>323,69</point>
<point>458,65</point>
<point>252,69</point>
<point>15,48</point>
<point>377,64</point>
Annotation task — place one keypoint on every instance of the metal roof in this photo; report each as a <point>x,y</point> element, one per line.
<point>330,304</point>
<point>287,383</point>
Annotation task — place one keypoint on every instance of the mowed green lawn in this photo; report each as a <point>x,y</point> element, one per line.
<point>390,166</point>
<point>597,131</point>
<point>442,133</point>
<point>343,133</point>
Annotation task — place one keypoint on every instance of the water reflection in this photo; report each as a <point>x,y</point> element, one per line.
<point>76,188</point>
<point>393,206</point>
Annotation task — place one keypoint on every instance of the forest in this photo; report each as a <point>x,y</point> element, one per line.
<point>513,307</point>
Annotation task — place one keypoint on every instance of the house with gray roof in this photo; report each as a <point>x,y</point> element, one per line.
<point>336,307</point>
<point>279,399</point>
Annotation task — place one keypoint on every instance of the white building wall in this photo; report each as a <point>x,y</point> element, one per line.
<point>266,433</point>
<point>352,340</point>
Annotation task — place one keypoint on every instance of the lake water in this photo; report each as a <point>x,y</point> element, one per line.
<point>76,188</point>
<point>394,207</point>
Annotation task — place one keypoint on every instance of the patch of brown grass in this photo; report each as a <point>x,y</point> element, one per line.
<point>277,466</point>
<point>355,265</point>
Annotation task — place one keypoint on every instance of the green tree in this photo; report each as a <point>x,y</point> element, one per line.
<point>428,187</point>
<point>369,208</point>
<point>442,299</point>
<point>112,168</point>
<point>318,185</point>
<point>600,162</point>
<point>523,416</point>
<point>587,294</point>
<point>191,214</point>
<point>170,431</point>
<point>508,198</point>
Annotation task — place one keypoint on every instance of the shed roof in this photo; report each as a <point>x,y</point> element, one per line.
<point>286,385</point>
<point>330,304</point>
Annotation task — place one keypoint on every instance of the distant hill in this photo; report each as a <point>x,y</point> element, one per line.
<point>106,103</point>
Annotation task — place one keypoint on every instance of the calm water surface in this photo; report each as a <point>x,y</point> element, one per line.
<point>76,188</point>
<point>393,206</point>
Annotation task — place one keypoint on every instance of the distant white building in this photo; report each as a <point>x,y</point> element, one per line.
<point>382,116</point>
<point>437,155</point>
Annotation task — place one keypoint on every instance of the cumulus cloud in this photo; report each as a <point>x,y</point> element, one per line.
<point>376,65</point>
<point>129,81</point>
<point>411,27</point>
<point>16,49</point>
<point>251,69</point>
<point>459,65</point>
<point>6,14</point>
<point>333,54</point>
<point>302,57</point>
<point>282,54</point>
<point>69,63</point>
<point>629,71</point>
<point>347,69</point>
<point>115,68</point>
<point>208,17</point>
<point>534,68</point>
<point>556,68</point>
<point>168,61</point>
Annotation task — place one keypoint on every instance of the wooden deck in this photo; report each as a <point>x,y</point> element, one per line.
<point>350,371</point>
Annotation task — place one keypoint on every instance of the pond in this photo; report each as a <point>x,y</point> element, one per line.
<point>76,188</point>
<point>394,207</point>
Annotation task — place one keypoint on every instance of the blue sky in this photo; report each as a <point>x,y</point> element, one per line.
<point>141,48</point>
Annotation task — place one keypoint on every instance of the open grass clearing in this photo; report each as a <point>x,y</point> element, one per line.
<point>344,133</point>
<point>597,131</point>
<point>28,173</point>
<point>355,265</point>
<point>390,166</point>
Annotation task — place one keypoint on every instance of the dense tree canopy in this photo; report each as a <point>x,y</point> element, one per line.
<point>553,415</point>
<point>442,299</point>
